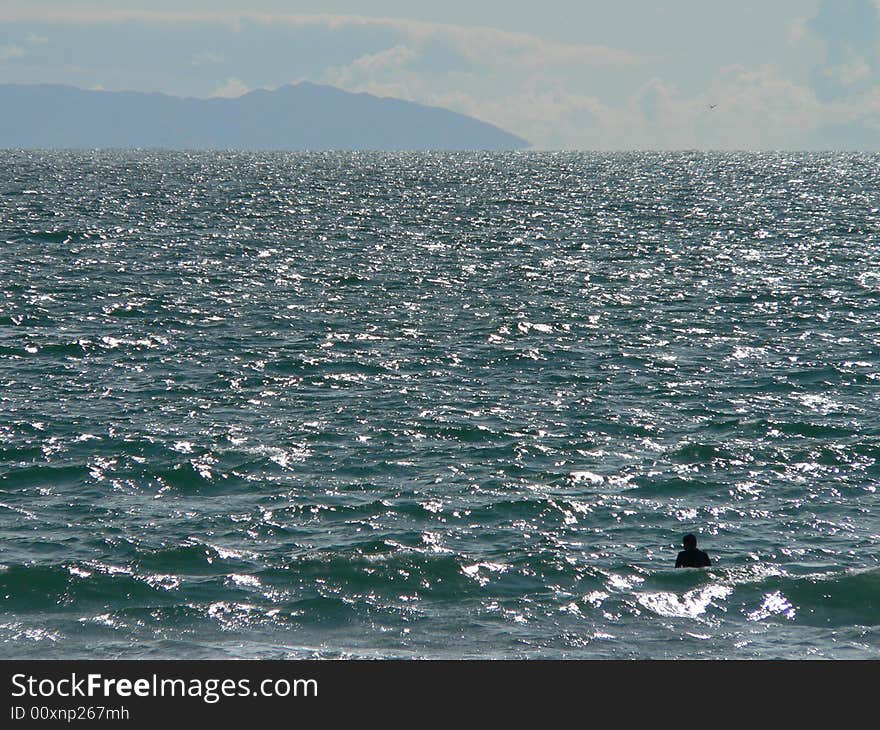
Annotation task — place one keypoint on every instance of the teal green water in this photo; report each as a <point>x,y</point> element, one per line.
<point>438,405</point>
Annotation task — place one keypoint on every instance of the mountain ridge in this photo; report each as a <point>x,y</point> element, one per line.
<point>303,116</point>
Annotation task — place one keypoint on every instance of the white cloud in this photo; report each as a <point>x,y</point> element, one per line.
<point>478,43</point>
<point>7,53</point>
<point>232,88</point>
<point>391,58</point>
<point>850,73</point>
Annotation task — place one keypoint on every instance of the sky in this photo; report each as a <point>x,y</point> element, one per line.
<point>563,74</point>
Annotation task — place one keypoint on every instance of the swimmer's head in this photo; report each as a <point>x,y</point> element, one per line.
<point>689,542</point>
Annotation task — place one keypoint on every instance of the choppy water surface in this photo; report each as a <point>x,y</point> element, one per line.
<point>438,405</point>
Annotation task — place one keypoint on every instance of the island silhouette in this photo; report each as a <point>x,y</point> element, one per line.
<point>301,116</point>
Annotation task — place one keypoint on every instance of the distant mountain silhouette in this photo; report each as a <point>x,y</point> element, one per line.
<point>298,117</point>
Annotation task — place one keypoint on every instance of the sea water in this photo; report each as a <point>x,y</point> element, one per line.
<point>438,405</point>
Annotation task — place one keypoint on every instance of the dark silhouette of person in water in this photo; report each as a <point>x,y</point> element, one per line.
<point>690,557</point>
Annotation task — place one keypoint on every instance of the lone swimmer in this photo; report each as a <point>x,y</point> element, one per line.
<point>690,557</point>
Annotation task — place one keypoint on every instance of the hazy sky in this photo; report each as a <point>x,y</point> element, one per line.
<point>572,74</point>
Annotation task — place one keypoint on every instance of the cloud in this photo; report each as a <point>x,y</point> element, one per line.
<point>847,24</point>
<point>841,46</point>
<point>7,53</point>
<point>655,99</point>
<point>757,109</point>
<point>232,88</point>
<point>517,81</point>
<point>849,33</point>
<point>383,61</point>
<point>478,43</point>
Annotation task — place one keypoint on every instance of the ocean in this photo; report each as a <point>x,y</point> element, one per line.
<point>462,406</point>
